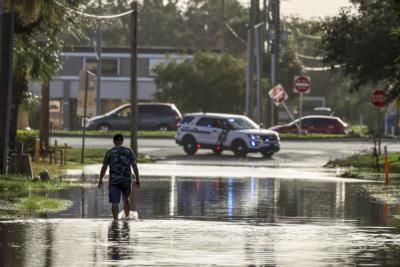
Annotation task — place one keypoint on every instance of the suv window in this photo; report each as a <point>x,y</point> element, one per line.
<point>124,113</point>
<point>187,119</point>
<point>207,122</point>
<point>307,122</point>
<point>328,122</point>
<point>240,123</point>
<point>155,109</point>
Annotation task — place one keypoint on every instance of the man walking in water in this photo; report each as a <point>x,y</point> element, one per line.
<point>120,159</point>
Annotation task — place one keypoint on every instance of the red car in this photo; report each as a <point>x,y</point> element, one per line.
<point>314,124</point>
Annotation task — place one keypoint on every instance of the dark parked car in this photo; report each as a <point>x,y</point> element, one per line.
<point>151,116</point>
<point>314,124</point>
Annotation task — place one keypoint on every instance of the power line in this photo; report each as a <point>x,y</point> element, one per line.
<point>235,34</point>
<point>114,16</point>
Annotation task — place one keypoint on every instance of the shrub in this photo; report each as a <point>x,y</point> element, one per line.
<point>27,137</point>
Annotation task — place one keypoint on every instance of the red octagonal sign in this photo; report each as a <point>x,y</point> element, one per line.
<point>378,98</point>
<point>302,84</point>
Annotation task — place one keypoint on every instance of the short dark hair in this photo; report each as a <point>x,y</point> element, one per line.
<point>118,137</point>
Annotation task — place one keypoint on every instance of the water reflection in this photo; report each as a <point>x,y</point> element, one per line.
<point>221,221</point>
<point>119,241</point>
<point>88,242</point>
<point>248,199</point>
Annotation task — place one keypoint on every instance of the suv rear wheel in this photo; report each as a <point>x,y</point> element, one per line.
<point>189,145</point>
<point>239,148</point>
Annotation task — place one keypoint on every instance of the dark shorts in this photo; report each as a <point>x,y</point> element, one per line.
<point>115,191</point>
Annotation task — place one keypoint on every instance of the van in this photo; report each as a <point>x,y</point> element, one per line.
<point>151,116</point>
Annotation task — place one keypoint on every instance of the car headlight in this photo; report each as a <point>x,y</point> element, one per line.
<point>254,137</point>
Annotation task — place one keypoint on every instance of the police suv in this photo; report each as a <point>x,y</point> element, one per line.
<point>220,132</point>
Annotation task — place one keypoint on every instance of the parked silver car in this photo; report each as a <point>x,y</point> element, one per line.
<point>151,116</point>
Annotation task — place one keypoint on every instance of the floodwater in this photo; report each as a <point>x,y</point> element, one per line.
<point>213,221</point>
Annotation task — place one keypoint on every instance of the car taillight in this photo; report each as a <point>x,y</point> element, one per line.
<point>178,121</point>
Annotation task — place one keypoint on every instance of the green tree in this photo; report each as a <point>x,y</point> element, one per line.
<point>37,46</point>
<point>363,43</point>
<point>210,83</point>
<point>174,23</point>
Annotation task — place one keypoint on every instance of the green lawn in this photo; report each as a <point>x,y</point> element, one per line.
<point>161,134</point>
<point>364,165</point>
<point>20,196</point>
<point>95,156</point>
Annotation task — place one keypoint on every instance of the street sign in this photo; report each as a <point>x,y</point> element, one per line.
<point>302,84</point>
<point>278,94</point>
<point>378,98</point>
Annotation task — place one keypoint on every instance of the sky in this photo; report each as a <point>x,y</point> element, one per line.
<point>309,8</point>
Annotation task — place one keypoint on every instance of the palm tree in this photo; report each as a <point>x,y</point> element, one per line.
<point>37,44</point>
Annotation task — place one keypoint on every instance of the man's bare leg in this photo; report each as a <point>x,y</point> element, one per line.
<point>114,209</point>
<point>127,207</point>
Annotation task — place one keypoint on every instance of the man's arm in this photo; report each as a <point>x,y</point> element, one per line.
<point>136,171</point>
<point>102,173</point>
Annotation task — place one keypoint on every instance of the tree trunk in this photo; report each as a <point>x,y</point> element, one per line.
<point>20,84</point>
<point>7,33</point>
<point>44,116</point>
<point>23,120</point>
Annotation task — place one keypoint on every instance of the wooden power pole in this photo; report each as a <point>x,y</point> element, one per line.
<point>134,109</point>
<point>7,26</point>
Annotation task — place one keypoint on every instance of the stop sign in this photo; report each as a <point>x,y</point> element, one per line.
<point>278,94</point>
<point>302,84</point>
<point>378,98</point>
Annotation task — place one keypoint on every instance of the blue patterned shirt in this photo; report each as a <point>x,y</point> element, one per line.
<point>119,159</point>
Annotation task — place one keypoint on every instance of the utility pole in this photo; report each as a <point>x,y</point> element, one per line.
<point>7,26</point>
<point>274,35</point>
<point>258,71</point>
<point>134,109</point>
<point>44,115</point>
<point>250,58</point>
<point>99,65</point>
<point>222,26</point>
<point>264,116</point>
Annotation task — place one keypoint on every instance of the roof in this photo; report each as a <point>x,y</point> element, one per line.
<point>211,114</point>
<point>320,117</point>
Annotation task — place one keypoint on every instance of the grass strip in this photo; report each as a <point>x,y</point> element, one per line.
<point>364,164</point>
<point>11,186</point>
<point>96,156</point>
<point>18,196</point>
<point>165,134</point>
<point>40,204</point>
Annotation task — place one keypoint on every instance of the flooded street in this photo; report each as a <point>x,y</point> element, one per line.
<point>205,221</point>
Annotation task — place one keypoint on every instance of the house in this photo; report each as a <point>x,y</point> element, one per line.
<point>115,79</point>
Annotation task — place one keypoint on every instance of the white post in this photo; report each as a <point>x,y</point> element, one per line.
<point>300,109</point>
<point>258,63</point>
<point>248,74</point>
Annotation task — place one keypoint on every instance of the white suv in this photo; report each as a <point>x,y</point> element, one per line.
<point>220,132</point>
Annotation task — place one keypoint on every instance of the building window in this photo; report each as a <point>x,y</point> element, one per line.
<point>109,67</point>
<point>153,62</point>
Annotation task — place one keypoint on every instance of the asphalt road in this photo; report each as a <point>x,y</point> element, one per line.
<point>293,153</point>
